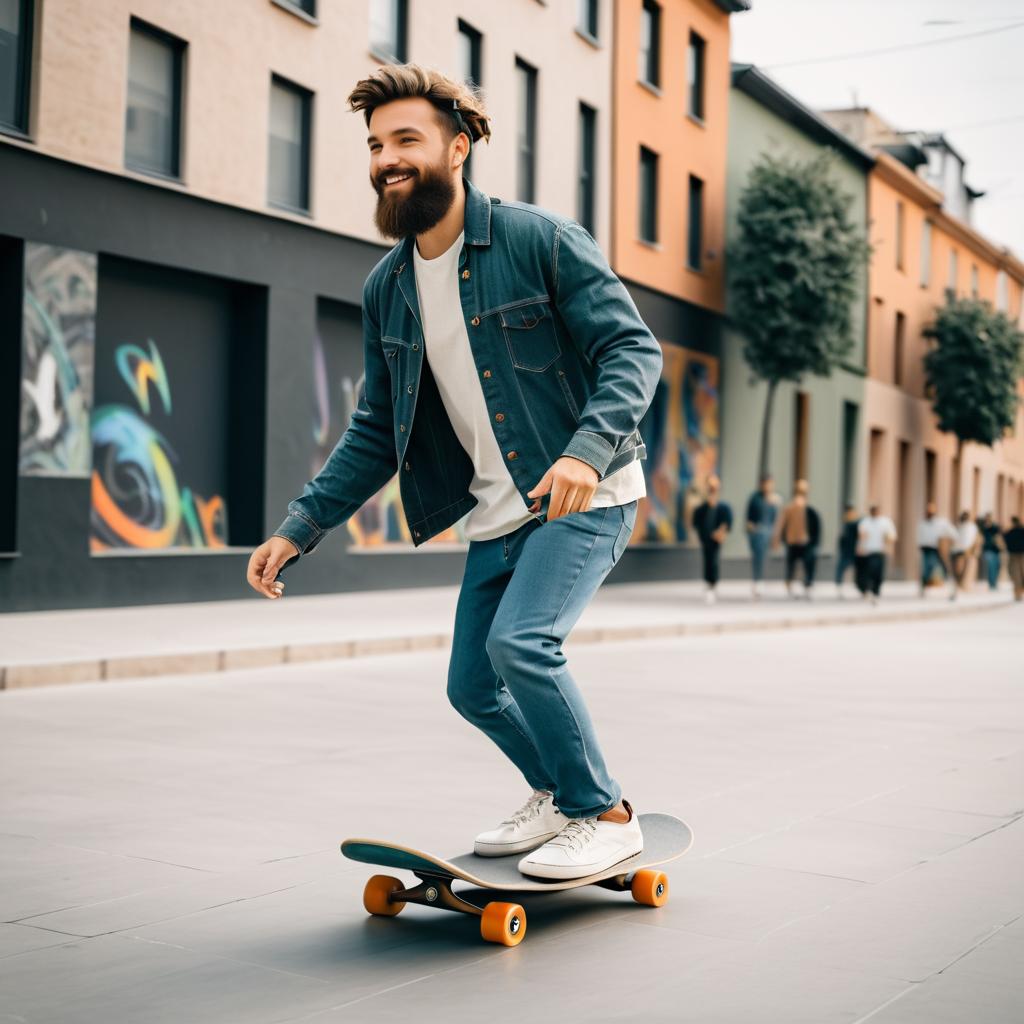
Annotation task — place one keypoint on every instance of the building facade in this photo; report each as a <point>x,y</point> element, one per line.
<point>924,250</point>
<point>816,423</point>
<point>183,260</point>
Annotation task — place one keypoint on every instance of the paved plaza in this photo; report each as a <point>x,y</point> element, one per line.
<point>169,845</point>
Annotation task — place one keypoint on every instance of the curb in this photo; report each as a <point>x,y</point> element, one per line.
<point>15,677</point>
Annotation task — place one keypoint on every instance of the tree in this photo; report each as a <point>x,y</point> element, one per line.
<point>971,374</point>
<point>794,273</point>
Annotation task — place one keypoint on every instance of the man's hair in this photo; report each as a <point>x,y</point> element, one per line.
<point>460,108</point>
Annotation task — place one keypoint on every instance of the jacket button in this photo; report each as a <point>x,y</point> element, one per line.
<point>417,532</point>
<point>500,417</point>
<point>415,346</point>
<point>513,455</point>
<point>401,427</point>
<point>475,321</point>
<point>465,275</point>
<point>487,373</point>
<point>409,389</point>
<point>407,465</point>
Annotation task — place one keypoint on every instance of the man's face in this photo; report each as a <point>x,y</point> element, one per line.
<point>767,486</point>
<point>414,167</point>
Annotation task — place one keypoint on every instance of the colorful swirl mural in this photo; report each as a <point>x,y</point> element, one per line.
<point>137,499</point>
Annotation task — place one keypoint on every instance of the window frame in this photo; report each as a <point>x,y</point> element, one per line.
<point>588,20</point>
<point>698,265</point>
<point>295,7</point>
<point>647,206</point>
<point>476,59</point>
<point>401,35</point>
<point>177,47</point>
<point>306,95</point>
<point>696,79</point>
<point>23,84</point>
<point>526,190</point>
<point>586,172</point>
<point>651,9</point>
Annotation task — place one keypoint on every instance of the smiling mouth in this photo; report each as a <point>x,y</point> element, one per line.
<point>396,179</point>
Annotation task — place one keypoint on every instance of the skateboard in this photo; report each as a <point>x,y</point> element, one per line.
<point>665,839</point>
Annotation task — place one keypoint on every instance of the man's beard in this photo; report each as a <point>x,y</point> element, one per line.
<point>429,198</point>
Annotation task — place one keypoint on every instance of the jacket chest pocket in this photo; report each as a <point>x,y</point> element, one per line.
<point>530,335</point>
<point>395,355</point>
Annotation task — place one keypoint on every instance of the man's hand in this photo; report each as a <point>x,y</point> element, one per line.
<point>572,484</point>
<point>720,533</point>
<point>265,563</point>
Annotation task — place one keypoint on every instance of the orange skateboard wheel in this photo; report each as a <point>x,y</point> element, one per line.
<point>376,896</point>
<point>504,923</point>
<point>650,888</point>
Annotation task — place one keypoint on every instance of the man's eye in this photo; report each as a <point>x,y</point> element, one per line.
<point>408,138</point>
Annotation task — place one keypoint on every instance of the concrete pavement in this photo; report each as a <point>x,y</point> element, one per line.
<point>41,648</point>
<point>169,847</point>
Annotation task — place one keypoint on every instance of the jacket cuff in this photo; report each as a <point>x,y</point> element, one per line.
<point>299,530</point>
<point>592,449</point>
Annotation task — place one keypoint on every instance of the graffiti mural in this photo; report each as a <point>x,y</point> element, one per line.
<point>681,431</point>
<point>137,498</point>
<point>58,340</point>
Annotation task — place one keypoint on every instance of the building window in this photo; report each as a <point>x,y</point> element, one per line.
<point>152,141</point>
<point>695,76</point>
<point>16,17</point>
<point>926,254</point>
<point>899,234</point>
<point>588,18</point>
<point>974,280</point>
<point>587,166</point>
<point>470,68</point>
<point>648,195</point>
<point>526,176</point>
<point>305,6</point>
<point>650,43</point>
<point>389,21</point>
<point>954,272</point>
<point>290,121</point>
<point>695,225</point>
<point>899,340</point>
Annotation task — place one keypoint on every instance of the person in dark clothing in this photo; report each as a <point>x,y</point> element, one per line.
<point>991,555</point>
<point>1013,539</point>
<point>846,556</point>
<point>712,520</point>
<point>799,528</point>
<point>762,511</point>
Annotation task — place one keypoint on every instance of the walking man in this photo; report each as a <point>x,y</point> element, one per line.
<point>799,528</point>
<point>932,531</point>
<point>506,371</point>
<point>712,520</point>
<point>964,553</point>
<point>762,511</point>
<point>846,554</point>
<point>1013,538</point>
<point>875,532</point>
<point>991,551</point>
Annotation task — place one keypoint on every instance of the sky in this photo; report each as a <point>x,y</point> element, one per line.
<point>971,89</point>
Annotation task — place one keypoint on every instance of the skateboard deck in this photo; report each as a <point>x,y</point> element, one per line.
<point>665,839</point>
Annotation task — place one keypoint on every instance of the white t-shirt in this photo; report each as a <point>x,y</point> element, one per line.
<point>874,531</point>
<point>931,531</point>
<point>966,535</point>
<point>499,508</point>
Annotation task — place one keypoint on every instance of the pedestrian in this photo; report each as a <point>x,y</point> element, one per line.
<point>875,532</point>
<point>799,528</point>
<point>712,520</point>
<point>932,531</point>
<point>529,432</point>
<point>964,554</point>
<point>846,553</point>
<point>1013,539</point>
<point>991,551</point>
<point>762,511</point>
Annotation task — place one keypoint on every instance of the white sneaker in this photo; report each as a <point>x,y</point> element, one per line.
<point>585,846</point>
<point>709,596</point>
<point>537,821</point>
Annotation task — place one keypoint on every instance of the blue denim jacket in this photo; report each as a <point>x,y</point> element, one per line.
<point>566,365</point>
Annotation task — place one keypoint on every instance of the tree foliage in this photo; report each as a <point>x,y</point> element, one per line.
<point>972,370</point>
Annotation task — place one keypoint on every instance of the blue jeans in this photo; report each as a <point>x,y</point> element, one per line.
<point>844,561</point>
<point>991,567</point>
<point>521,595</point>
<point>930,560</point>
<point>759,541</point>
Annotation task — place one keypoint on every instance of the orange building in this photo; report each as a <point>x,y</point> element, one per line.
<point>670,103</point>
<point>921,252</point>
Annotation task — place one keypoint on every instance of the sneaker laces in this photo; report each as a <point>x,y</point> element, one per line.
<point>576,833</point>
<point>530,810</point>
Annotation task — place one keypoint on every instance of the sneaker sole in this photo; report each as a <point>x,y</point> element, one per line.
<point>507,849</point>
